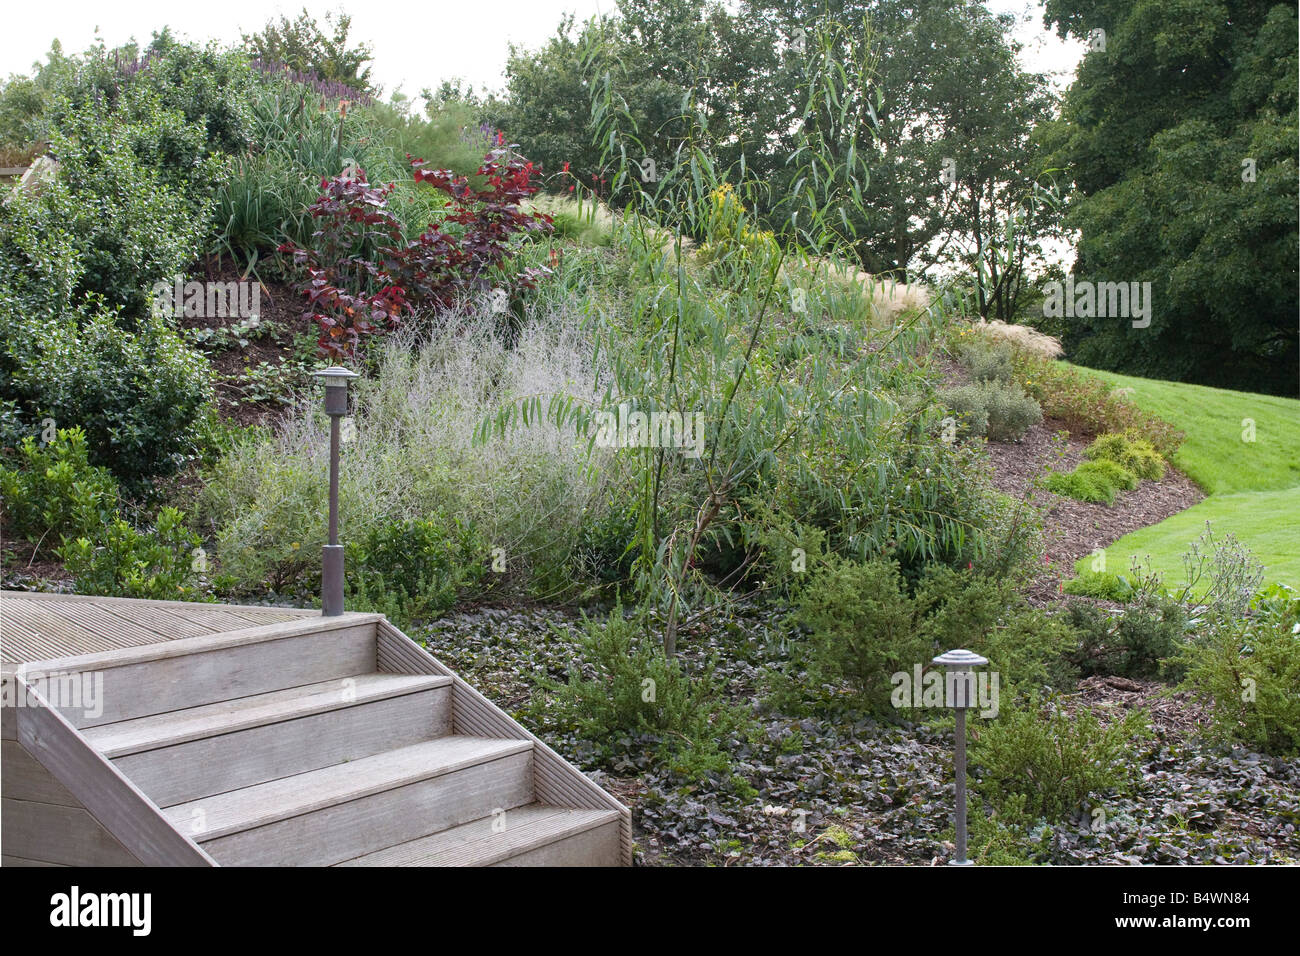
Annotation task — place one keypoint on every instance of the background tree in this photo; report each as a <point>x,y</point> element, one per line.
<point>951,97</point>
<point>1180,138</point>
<point>302,45</point>
<point>946,85</point>
<point>661,54</point>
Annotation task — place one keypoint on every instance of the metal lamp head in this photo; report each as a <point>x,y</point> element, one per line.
<point>960,660</point>
<point>960,664</point>
<point>335,379</point>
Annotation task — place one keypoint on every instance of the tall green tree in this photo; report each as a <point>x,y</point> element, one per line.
<point>661,55</point>
<point>1180,137</point>
<point>954,159</point>
<point>945,85</point>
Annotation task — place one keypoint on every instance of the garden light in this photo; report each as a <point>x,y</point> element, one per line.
<point>960,683</point>
<point>336,380</point>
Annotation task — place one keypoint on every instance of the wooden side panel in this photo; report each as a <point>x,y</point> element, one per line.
<point>52,835</point>
<point>23,778</point>
<point>8,714</point>
<point>556,782</point>
<point>7,860</point>
<point>117,804</point>
<point>43,824</point>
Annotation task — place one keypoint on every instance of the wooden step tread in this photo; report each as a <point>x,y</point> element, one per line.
<point>237,810</point>
<point>490,840</point>
<point>210,720</point>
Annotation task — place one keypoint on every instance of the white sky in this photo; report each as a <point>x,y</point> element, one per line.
<point>416,44</point>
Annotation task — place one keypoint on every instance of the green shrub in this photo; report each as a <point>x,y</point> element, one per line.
<point>987,359</point>
<point>205,90</point>
<point>1108,472</point>
<point>1103,585</point>
<point>159,563</point>
<point>1027,646</point>
<point>607,546</point>
<point>1088,405</point>
<point>413,570</point>
<point>23,101</point>
<point>784,550</point>
<point>1136,455</point>
<point>1012,541</point>
<point>209,87</point>
<point>138,395</point>
<point>1011,411</point>
<point>997,410</point>
<point>54,492</point>
<point>968,407</point>
<point>1133,643</point>
<point>1038,753</point>
<point>118,223</point>
<point>1248,672</point>
<point>999,839</point>
<point>622,686</point>
<point>1080,487</point>
<point>12,429</point>
<point>864,626</point>
<point>1093,481</point>
<point>909,495</point>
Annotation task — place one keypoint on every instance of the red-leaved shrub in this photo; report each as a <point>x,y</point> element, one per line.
<point>360,277</point>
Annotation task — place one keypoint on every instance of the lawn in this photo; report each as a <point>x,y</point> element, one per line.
<point>1253,486</point>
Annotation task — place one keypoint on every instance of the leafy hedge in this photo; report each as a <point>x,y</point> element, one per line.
<point>137,394</point>
<point>139,146</point>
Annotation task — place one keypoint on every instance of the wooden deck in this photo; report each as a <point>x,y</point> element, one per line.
<point>170,733</point>
<point>38,627</point>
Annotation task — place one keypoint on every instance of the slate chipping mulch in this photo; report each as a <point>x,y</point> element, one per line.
<point>843,791</point>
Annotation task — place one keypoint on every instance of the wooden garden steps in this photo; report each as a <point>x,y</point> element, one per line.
<point>187,754</point>
<point>531,835</point>
<point>303,741</point>
<point>227,717</point>
<point>329,815</point>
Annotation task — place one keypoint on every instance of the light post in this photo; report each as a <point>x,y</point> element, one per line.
<point>959,664</point>
<point>336,381</point>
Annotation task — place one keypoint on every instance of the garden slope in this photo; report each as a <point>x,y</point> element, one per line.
<point>1253,486</point>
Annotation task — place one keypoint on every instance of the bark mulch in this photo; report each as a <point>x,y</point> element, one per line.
<point>1175,714</point>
